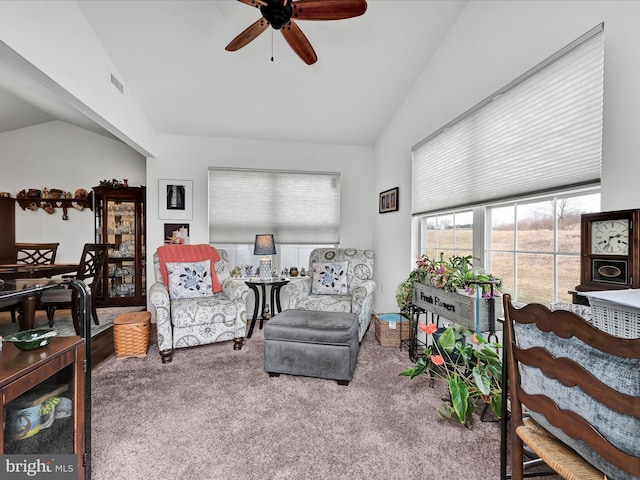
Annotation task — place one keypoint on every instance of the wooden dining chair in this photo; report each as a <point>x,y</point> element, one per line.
<point>574,393</point>
<point>32,254</point>
<point>36,253</point>
<point>93,260</point>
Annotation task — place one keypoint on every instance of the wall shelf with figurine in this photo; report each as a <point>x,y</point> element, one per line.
<point>51,199</point>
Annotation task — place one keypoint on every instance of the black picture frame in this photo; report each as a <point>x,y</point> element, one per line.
<point>388,201</point>
<point>175,199</point>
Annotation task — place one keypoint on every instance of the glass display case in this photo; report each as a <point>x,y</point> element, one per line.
<point>120,222</point>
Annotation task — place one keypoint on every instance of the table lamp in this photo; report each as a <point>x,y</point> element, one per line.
<point>265,245</point>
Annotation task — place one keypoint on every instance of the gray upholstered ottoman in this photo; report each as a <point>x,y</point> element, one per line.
<point>313,344</point>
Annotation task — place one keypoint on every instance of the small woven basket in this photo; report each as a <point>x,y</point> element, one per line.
<point>387,336</point>
<point>131,334</point>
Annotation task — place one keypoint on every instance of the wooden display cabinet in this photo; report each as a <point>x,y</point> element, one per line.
<point>28,378</point>
<point>120,222</point>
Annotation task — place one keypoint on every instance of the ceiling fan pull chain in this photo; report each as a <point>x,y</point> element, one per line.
<point>272,44</point>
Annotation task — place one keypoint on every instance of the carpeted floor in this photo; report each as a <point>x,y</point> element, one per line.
<point>213,413</point>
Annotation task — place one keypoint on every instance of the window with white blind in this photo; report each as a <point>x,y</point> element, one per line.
<point>527,162</point>
<point>296,207</point>
<point>541,132</point>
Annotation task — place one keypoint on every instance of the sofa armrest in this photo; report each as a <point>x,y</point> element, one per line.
<point>365,289</point>
<point>362,300</point>
<point>235,289</point>
<point>161,303</point>
<point>297,288</point>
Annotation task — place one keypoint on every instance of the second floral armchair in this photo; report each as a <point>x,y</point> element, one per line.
<point>339,280</point>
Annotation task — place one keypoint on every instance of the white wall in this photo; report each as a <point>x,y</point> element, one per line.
<point>490,44</point>
<point>54,42</point>
<point>189,157</point>
<point>59,155</point>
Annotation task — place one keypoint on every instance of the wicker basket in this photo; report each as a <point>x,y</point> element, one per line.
<point>389,328</point>
<point>616,312</point>
<point>131,334</point>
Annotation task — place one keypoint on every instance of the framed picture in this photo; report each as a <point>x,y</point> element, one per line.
<point>176,233</point>
<point>388,201</point>
<point>175,199</point>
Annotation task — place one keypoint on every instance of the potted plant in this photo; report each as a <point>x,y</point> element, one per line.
<point>467,279</point>
<point>457,274</point>
<point>472,370</point>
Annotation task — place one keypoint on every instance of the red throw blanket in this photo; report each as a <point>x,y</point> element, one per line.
<point>189,253</point>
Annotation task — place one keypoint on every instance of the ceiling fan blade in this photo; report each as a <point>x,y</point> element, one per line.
<point>247,35</point>
<point>299,43</point>
<point>254,3</point>
<point>327,9</point>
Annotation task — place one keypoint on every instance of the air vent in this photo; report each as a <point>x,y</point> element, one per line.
<point>117,83</point>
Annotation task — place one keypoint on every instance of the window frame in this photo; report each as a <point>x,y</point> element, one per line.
<point>482,231</point>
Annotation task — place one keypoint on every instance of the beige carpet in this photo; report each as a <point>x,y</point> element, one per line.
<point>214,413</point>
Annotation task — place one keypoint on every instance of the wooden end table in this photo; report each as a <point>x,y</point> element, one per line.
<point>276,285</point>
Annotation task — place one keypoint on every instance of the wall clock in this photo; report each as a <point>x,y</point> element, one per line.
<point>610,250</point>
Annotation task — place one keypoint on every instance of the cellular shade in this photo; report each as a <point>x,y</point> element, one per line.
<point>541,132</point>
<point>295,207</point>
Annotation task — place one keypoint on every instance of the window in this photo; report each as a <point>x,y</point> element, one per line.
<point>301,209</point>
<point>448,233</point>
<point>540,133</point>
<point>534,245</point>
<point>523,165</point>
<point>296,207</point>
<point>288,256</point>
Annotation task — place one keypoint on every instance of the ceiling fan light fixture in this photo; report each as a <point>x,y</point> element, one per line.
<point>278,14</point>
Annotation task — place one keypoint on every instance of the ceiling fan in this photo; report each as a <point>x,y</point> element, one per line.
<point>280,14</point>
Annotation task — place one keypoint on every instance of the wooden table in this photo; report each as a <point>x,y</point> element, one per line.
<point>12,283</point>
<point>21,270</point>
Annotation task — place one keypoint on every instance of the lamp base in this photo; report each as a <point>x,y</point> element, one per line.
<point>265,269</point>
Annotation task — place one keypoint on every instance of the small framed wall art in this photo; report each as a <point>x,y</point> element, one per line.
<point>175,199</point>
<point>176,233</point>
<point>388,201</point>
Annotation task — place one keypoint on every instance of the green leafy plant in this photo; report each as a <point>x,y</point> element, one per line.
<point>473,372</point>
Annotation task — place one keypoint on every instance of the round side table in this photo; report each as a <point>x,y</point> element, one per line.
<point>261,296</point>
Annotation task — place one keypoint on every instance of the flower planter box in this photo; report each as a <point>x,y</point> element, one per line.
<point>457,307</point>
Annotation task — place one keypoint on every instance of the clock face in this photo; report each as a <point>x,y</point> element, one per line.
<point>610,237</point>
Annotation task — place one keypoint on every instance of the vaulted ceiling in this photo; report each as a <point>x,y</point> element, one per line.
<point>171,55</point>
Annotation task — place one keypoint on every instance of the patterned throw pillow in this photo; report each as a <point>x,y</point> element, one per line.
<point>329,278</point>
<point>188,280</point>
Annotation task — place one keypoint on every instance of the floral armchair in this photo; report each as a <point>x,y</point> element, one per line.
<point>205,317</point>
<point>339,280</point>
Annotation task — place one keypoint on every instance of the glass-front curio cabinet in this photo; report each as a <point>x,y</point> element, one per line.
<point>120,222</point>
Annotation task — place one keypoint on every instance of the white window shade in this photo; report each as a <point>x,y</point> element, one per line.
<point>296,207</point>
<point>541,132</point>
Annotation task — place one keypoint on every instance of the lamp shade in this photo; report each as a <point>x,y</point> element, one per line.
<point>265,245</point>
